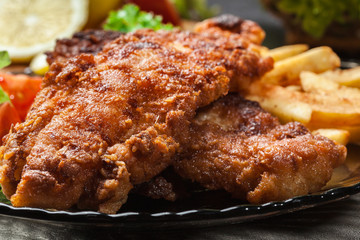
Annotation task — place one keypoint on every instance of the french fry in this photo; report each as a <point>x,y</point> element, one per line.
<point>310,89</point>
<point>332,104</point>
<point>280,102</point>
<point>283,52</point>
<point>317,83</point>
<point>332,111</point>
<point>287,72</point>
<point>340,136</point>
<point>311,82</point>
<point>327,110</point>
<point>286,112</point>
<point>348,77</point>
<point>262,50</point>
<point>354,134</point>
<point>354,131</point>
<point>329,118</point>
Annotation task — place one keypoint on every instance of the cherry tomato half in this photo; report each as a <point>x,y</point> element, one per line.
<point>8,116</point>
<point>21,89</point>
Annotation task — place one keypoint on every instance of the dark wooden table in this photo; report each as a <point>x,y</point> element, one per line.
<point>337,220</point>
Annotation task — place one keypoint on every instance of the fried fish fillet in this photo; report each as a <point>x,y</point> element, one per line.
<point>237,146</point>
<point>103,123</point>
<point>223,30</point>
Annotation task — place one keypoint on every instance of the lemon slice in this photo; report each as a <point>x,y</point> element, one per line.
<point>29,27</point>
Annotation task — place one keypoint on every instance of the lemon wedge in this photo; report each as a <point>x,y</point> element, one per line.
<point>30,27</point>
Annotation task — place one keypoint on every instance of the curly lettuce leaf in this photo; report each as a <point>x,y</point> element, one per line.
<point>315,16</point>
<point>195,9</point>
<point>130,18</point>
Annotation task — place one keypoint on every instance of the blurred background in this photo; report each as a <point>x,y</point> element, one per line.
<point>30,27</point>
<point>255,10</point>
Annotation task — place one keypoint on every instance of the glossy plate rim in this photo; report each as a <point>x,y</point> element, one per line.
<point>180,219</point>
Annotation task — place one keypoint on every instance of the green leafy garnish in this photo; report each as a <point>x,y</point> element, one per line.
<point>195,9</point>
<point>3,199</point>
<point>3,96</point>
<point>130,18</point>
<point>315,16</point>
<point>4,59</point>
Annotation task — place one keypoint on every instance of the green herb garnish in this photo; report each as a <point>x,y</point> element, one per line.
<point>315,16</point>
<point>130,18</point>
<point>195,9</point>
<point>3,199</point>
<point>4,59</point>
<point>3,96</point>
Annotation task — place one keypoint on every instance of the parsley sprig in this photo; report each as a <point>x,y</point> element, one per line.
<point>130,18</point>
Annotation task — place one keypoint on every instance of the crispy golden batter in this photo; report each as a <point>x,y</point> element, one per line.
<point>237,146</point>
<point>106,122</point>
<point>249,35</point>
<point>227,24</point>
<point>89,41</point>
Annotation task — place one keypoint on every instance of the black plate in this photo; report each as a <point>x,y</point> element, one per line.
<point>203,208</point>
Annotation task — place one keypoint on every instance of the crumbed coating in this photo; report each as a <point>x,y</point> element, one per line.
<point>104,122</point>
<point>242,34</point>
<point>90,41</point>
<point>237,146</point>
<point>227,24</point>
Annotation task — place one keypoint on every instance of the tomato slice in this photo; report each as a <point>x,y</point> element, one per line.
<point>21,89</point>
<point>8,116</point>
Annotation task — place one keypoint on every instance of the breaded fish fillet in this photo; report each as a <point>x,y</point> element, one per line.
<point>105,122</point>
<point>237,146</point>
